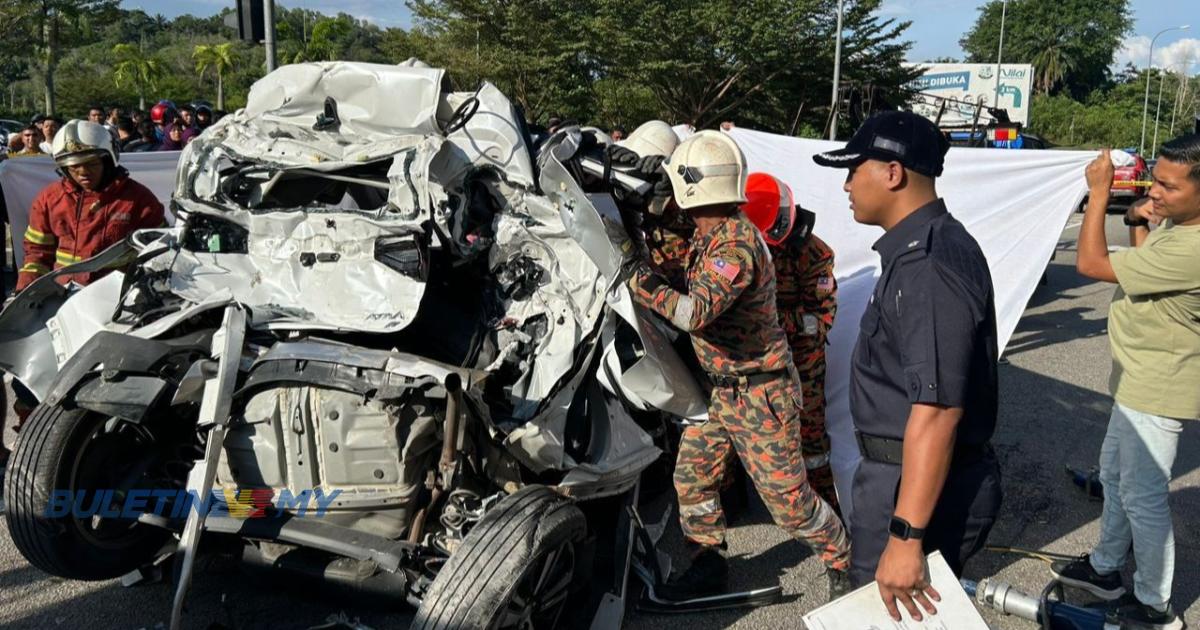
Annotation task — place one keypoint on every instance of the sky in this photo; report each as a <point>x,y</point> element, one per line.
<point>936,28</point>
<point>385,13</point>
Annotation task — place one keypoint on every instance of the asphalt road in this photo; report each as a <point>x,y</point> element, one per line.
<point>1053,410</point>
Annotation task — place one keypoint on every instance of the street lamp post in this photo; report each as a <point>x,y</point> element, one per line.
<point>1000,53</point>
<point>837,75</point>
<point>269,33</point>
<point>1146,101</point>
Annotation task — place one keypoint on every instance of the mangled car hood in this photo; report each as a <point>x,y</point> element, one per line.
<point>321,205</point>
<point>314,206</point>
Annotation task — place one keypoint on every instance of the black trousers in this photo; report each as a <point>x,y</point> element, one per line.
<point>962,519</point>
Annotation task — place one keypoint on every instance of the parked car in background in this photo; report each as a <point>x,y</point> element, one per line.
<point>1129,182</point>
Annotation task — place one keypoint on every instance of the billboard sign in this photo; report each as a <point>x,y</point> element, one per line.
<point>961,86</point>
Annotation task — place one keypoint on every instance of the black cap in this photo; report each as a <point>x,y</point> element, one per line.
<point>902,137</point>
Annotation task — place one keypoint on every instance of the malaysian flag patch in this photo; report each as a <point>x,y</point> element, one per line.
<point>825,283</point>
<point>725,269</point>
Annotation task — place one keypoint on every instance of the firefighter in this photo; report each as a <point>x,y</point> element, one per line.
<point>667,229</point>
<point>807,302</point>
<point>729,311</point>
<point>93,206</point>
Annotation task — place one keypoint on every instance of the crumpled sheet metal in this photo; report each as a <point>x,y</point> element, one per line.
<point>425,170</point>
<point>373,99</point>
<point>492,137</point>
<point>284,144</point>
<point>627,450</point>
<point>353,292</point>
<point>658,379</point>
<point>562,232</point>
<point>570,298</point>
<point>27,348</point>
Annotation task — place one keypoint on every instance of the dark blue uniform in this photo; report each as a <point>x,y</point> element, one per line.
<point>928,335</point>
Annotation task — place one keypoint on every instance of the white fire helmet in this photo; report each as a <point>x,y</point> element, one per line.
<point>653,137</point>
<point>81,140</point>
<point>707,169</point>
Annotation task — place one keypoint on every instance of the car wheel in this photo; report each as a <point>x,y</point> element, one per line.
<point>515,569</point>
<point>83,453</point>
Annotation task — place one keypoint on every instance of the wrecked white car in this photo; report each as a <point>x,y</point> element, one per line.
<point>389,338</point>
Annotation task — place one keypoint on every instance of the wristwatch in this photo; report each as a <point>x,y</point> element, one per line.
<point>901,529</point>
<point>1138,222</point>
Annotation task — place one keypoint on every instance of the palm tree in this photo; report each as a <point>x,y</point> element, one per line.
<point>221,58</point>
<point>51,27</point>
<point>135,66</point>
<point>322,42</point>
<point>1052,65</point>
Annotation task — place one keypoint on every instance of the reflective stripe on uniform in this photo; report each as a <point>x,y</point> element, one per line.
<point>33,267</point>
<point>683,313</point>
<point>702,508</point>
<point>38,237</point>
<point>66,258</point>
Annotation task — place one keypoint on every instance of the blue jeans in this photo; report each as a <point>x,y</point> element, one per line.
<point>1135,469</point>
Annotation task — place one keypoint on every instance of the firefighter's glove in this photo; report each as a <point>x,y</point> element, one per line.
<point>641,277</point>
<point>637,237</point>
<point>650,167</point>
<point>620,156</point>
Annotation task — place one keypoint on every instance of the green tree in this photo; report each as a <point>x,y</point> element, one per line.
<point>324,42</point>
<point>729,62</point>
<point>52,27</point>
<point>536,51</point>
<point>1113,117</point>
<point>1071,43</point>
<point>221,58</point>
<point>135,67</point>
<point>1051,65</point>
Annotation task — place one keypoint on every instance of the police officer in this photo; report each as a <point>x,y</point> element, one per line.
<point>754,409</point>
<point>807,302</point>
<point>923,374</point>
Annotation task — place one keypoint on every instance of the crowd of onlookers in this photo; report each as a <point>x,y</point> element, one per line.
<point>166,127</point>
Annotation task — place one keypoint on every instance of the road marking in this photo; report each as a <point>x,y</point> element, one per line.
<point>1074,225</point>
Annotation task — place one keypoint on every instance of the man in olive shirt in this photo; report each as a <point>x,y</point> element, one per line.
<point>1154,330</point>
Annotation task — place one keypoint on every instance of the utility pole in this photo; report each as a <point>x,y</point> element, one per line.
<point>1149,65</point>
<point>837,75</point>
<point>1000,53</point>
<point>269,32</point>
<point>1181,93</point>
<point>1178,96</point>
<point>1158,110</point>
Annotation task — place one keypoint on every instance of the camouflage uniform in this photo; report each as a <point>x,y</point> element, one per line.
<point>807,302</point>
<point>754,408</point>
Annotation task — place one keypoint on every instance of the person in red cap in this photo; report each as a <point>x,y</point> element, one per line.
<point>806,298</point>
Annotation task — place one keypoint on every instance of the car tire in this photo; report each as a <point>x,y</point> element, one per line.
<point>63,449</point>
<point>515,569</point>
